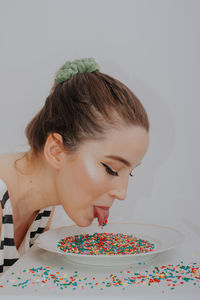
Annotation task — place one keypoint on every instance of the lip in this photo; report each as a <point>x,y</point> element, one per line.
<point>105,207</point>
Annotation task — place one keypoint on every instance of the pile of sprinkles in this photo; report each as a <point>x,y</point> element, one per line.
<point>104,244</point>
<point>169,276</point>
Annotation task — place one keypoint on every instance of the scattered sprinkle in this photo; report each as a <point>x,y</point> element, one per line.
<point>169,276</point>
<point>104,224</point>
<point>104,244</point>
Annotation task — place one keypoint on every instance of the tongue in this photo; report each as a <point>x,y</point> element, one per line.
<point>101,213</point>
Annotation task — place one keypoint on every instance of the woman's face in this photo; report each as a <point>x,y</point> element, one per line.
<point>96,174</point>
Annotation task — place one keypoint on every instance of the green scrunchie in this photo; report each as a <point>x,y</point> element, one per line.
<point>71,68</point>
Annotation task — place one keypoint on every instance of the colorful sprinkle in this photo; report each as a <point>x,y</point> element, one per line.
<point>104,224</point>
<point>104,244</point>
<point>170,275</point>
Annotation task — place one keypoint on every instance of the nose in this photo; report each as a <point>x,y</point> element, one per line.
<point>119,191</point>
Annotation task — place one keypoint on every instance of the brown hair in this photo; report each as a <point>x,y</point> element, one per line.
<point>83,107</point>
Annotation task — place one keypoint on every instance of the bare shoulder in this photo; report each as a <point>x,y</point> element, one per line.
<point>7,169</point>
<point>8,172</point>
<point>4,164</point>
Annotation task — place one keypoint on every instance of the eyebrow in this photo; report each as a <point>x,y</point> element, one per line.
<point>121,159</point>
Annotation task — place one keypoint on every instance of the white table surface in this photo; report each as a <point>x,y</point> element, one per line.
<point>188,251</point>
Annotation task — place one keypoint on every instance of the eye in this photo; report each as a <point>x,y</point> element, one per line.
<point>109,170</point>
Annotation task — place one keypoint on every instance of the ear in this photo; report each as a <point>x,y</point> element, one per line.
<point>53,150</point>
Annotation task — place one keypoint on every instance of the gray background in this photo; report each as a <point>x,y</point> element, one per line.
<point>152,46</point>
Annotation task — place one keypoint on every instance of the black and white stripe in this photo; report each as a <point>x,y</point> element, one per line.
<point>8,251</point>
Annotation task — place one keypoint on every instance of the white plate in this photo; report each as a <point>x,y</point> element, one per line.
<point>164,238</point>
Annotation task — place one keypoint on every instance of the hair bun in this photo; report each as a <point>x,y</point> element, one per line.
<point>71,68</point>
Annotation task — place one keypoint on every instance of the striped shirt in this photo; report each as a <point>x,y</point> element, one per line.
<point>9,254</point>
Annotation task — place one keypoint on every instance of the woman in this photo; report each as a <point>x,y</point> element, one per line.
<point>84,144</point>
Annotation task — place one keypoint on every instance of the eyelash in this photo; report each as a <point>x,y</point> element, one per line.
<point>111,172</point>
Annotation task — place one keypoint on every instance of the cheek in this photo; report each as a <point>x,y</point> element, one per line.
<point>90,177</point>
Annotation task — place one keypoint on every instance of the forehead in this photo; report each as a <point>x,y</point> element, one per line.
<point>131,143</point>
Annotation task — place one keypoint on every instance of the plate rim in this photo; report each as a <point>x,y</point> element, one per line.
<point>181,234</point>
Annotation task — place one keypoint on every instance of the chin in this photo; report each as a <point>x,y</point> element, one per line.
<point>84,223</point>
